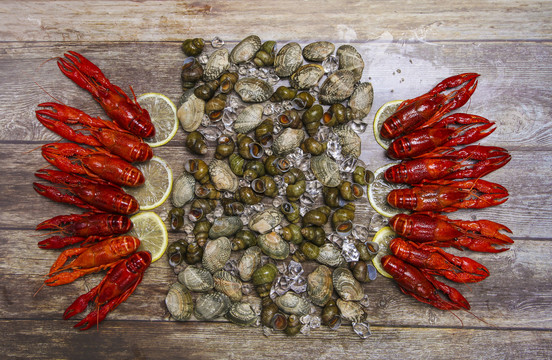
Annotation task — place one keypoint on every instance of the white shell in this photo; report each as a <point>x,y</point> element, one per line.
<point>191,112</point>
<point>249,119</point>
<point>217,64</point>
<point>216,254</point>
<point>291,303</point>
<point>287,141</point>
<point>349,140</point>
<point>249,262</point>
<point>288,59</point>
<point>361,100</point>
<point>245,49</point>
<point>346,286</point>
<point>273,246</point>
<point>183,190</point>
<point>266,220</point>
<point>351,311</point>
<point>326,170</point>
<point>222,176</point>
<point>330,255</point>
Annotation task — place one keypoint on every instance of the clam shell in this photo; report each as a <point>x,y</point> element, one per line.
<point>320,285</point>
<point>291,303</point>
<point>179,302</point>
<point>266,220</point>
<point>211,306</point>
<point>228,284</point>
<point>306,76</point>
<point>245,50</point>
<point>273,246</point>
<point>191,112</point>
<point>330,255</point>
<point>253,90</point>
<point>183,190</point>
<point>346,286</point>
<point>326,170</point>
<point>288,59</point>
<point>225,226</point>
<point>217,64</point>
<point>351,311</point>
<point>249,118</point>
<point>361,100</point>
<point>222,176</point>
<point>196,279</point>
<point>249,262</point>
<point>287,141</point>
<point>337,87</point>
<point>318,51</point>
<point>350,59</point>
<point>349,140</point>
<point>242,313</point>
<point>216,254</point>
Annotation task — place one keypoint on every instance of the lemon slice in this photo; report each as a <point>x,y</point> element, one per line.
<point>382,114</point>
<point>378,190</point>
<point>163,115</point>
<point>158,185</point>
<point>150,229</point>
<point>383,237</point>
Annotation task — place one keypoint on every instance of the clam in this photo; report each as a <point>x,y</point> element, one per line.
<point>183,190</point>
<point>273,245</point>
<point>306,76</point>
<point>266,220</point>
<point>253,90</point>
<point>318,51</point>
<point>225,226</point>
<point>326,170</point>
<point>217,64</point>
<point>287,141</point>
<point>346,286</point>
<point>242,313</point>
<point>245,50</point>
<point>351,311</point>
<point>216,254</point>
<point>211,306</point>
<point>288,59</point>
<point>330,255</point>
<point>228,284</point>
<point>337,87</point>
<point>249,262</point>
<point>291,303</point>
<point>196,279</point>
<point>361,100</point>
<point>349,140</point>
<point>350,59</point>
<point>190,112</point>
<point>248,119</point>
<point>179,302</point>
<point>320,285</point>
<point>222,176</point>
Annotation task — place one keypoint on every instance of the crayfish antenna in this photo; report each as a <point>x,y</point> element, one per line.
<point>47,93</point>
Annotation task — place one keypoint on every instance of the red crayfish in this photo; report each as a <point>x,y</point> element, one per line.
<point>425,110</point>
<point>126,113</point>
<point>118,284</point>
<point>91,259</point>
<point>90,194</point>
<point>470,162</point>
<point>439,230</point>
<point>87,228</point>
<point>103,134</point>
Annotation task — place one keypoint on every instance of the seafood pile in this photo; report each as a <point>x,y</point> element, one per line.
<point>91,176</point>
<point>443,179</point>
<point>278,190</point>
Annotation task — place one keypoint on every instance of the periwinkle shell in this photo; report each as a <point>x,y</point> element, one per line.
<point>179,302</point>
<point>273,246</point>
<point>245,50</point>
<point>248,263</point>
<point>211,306</point>
<point>196,279</point>
<point>291,303</point>
<point>266,220</point>
<point>225,226</point>
<point>337,87</point>
<point>287,141</point>
<point>217,64</point>
<point>350,59</point>
<point>216,254</point>
<point>228,284</point>
<point>190,112</point>
<point>349,140</point>
<point>248,119</point>
<point>346,286</point>
<point>326,170</point>
<point>222,176</point>
<point>320,285</point>
<point>288,59</point>
<point>183,190</point>
<point>253,90</point>
<point>306,76</point>
<point>318,51</point>
<point>242,313</point>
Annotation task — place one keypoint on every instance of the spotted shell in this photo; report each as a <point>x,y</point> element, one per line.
<point>248,119</point>
<point>225,226</point>
<point>222,176</point>
<point>183,190</point>
<point>330,255</point>
<point>346,286</point>
<point>211,306</point>
<point>337,87</point>
<point>361,100</point>
<point>318,51</point>
<point>291,303</point>
<point>249,262</point>
<point>349,140</point>
<point>273,245</point>
<point>190,113</point>
<point>306,76</point>
<point>216,254</point>
<point>266,220</point>
<point>253,90</point>
<point>245,50</point>
<point>326,170</point>
<point>287,141</point>
<point>242,313</point>
<point>217,64</point>
<point>288,59</point>
<point>350,59</point>
<point>320,285</point>
<point>196,279</point>
<point>351,311</point>
<point>179,302</point>
<point>228,284</point>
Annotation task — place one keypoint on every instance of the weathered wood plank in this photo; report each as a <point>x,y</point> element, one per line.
<point>342,21</point>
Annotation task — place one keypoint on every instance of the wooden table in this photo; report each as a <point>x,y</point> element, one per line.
<point>408,47</point>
